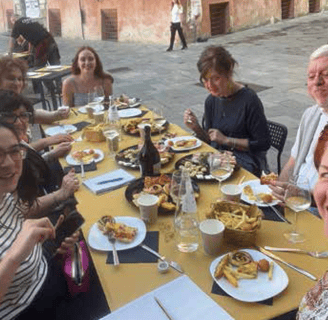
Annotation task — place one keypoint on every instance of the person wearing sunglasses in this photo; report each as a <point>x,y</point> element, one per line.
<point>234,117</point>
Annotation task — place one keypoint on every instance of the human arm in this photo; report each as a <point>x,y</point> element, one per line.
<point>68,92</point>
<point>233,143</point>
<point>191,121</point>
<point>32,233</point>
<point>47,117</point>
<point>43,143</point>
<point>69,185</point>
<point>108,88</point>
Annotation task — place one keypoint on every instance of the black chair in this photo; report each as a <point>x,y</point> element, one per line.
<point>36,98</point>
<point>278,135</point>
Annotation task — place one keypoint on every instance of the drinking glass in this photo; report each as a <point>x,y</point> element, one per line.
<point>91,95</point>
<point>297,198</point>
<point>220,167</point>
<point>99,94</point>
<point>112,140</point>
<point>178,186</point>
<point>159,119</point>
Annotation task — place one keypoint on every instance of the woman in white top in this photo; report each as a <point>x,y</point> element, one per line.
<point>176,11</point>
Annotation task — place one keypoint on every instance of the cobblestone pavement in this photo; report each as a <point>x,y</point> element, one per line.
<point>272,60</point>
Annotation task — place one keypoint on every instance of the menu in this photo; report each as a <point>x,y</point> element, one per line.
<point>181,298</point>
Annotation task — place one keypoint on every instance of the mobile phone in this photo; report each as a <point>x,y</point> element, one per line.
<point>72,222</point>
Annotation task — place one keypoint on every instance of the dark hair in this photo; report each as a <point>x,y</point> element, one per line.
<point>7,64</point>
<point>10,127</point>
<point>11,101</point>
<point>216,58</point>
<point>321,147</point>
<point>99,71</point>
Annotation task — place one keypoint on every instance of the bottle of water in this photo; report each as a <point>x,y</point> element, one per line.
<point>114,121</point>
<point>186,220</point>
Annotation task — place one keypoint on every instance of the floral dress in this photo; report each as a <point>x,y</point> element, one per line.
<point>314,305</point>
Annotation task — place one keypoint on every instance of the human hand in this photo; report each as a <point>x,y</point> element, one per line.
<point>68,243</point>
<point>62,113</point>
<point>33,231</point>
<point>217,136</point>
<point>61,150</point>
<point>190,120</point>
<point>59,138</point>
<point>278,190</point>
<point>70,184</point>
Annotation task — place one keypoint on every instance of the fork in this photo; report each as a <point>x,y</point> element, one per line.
<point>112,240</point>
<point>315,254</point>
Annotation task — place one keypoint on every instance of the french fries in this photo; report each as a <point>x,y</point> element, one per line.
<point>221,266</point>
<point>236,216</point>
<point>270,272</point>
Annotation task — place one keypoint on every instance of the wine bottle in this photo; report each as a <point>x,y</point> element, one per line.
<point>149,159</point>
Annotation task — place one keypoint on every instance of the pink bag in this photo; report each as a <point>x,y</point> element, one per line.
<point>76,269</point>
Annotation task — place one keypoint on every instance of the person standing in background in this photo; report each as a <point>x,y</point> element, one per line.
<point>176,12</point>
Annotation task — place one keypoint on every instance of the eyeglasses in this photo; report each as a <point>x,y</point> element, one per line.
<point>12,118</point>
<point>17,153</point>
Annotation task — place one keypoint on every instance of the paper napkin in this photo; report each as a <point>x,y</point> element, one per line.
<point>109,181</point>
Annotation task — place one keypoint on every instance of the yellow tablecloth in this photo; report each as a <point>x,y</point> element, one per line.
<point>129,281</point>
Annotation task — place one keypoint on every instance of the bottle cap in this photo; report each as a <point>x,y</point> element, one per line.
<point>163,266</point>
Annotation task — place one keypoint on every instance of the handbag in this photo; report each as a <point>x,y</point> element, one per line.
<point>76,269</point>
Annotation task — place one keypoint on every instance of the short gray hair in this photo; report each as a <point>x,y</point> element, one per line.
<point>320,52</point>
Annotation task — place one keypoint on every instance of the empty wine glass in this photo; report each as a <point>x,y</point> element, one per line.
<point>297,198</point>
<point>220,166</point>
<point>178,186</point>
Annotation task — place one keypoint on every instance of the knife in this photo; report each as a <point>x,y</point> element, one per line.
<point>279,214</point>
<point>172,264</point>
<point>109,181</point>
<point>273,256</point>
<point>163,308</point>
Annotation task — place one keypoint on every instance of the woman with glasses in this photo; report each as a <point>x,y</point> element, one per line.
<point>234,116</point>
<point>13,77</point>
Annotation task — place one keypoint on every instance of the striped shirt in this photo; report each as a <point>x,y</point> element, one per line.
<point>31,273</point>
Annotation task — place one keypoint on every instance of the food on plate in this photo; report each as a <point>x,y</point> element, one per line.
<point>122,232</point>
<point>265,197</point>
<point>160,186</point>
<point>130,155</point>
<point>184,143</point>
<point>263,265</point>
<point>194,169</point>
<point>268,178</point>
<point>270,272</point>
<point>236,216</point>
<point>246,269</point>
<point>248,191</point>
<point>131,126</point>
<point>85,155</point>
<point>239,258</point>
<point>94,133</point>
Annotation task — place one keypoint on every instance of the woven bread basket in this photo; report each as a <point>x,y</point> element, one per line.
<point>94,134</point>
<point>245,235</point>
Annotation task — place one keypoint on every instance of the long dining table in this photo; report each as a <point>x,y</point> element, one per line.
<point>129,281</point>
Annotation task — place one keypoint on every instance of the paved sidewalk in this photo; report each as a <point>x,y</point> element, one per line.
<point>272,59</point>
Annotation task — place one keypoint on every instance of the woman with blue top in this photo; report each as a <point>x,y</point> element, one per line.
<point>234,117</point>
<point>87,76</point>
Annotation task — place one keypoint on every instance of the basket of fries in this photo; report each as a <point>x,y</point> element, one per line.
<point>241,221</point>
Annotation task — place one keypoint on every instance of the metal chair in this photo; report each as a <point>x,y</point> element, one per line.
<point>278,135</point>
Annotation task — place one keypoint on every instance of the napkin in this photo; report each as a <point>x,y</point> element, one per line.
<point>87,167</point>
<point>81,125</point>
<point>137,254</point>
<point>269,214</point>
<point>216,289</point>
<point>92,184</point>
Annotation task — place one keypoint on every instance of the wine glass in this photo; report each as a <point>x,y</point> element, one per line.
<point>159,119</point>
<point>178,186</point>
<point>220,166</point>
<point>99,94</point>
<point>297,198</point>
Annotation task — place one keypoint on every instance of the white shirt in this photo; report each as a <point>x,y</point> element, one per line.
<point>307,169</point>
<point>176,11</point>
<point>31,273</point>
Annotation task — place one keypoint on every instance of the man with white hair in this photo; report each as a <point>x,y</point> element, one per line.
<point>314,119</point>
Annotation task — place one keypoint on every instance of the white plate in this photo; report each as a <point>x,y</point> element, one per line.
<point>126,113</point>
<point>71,161</point>
<point>98,99</point>
<point>253,290</point>
<point>67,128</point>
<point>98,241</point>
<point>96,108</point>
<point>53,67</point>
<point>257,188</point>
<point>31,73</point>
<point>174,140</point>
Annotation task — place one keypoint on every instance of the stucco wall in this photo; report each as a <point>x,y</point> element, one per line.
<point>5,5</point>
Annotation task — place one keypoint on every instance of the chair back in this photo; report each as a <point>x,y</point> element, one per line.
<point>278,135</point>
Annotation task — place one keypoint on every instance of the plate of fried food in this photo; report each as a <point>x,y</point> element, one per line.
<point>84,156</point>
<point>197,165</point>
<point>129,157</point>
<point>132,126</point>
<point>129,233</point>
<point>253,192</point>
<point>248,275</point>
<point>184,143</point>
<point>159,186</point>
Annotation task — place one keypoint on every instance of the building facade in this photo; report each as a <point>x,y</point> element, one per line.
<point>148,21</point>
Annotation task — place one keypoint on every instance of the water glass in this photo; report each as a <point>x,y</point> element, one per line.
<point>220,166</point>
<point>112,140</point>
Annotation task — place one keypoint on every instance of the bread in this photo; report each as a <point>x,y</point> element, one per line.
<point>94,134</point>
<point>268,178</point>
